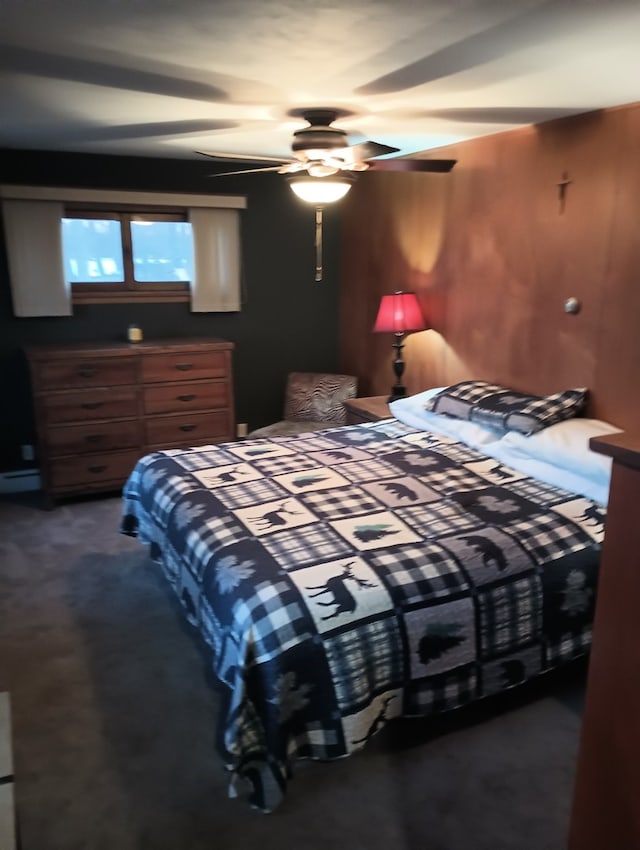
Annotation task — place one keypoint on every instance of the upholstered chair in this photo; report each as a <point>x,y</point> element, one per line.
<point>313,401</point>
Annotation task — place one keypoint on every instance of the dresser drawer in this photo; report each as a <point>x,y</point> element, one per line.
<point>94,372</point>
<point>187,365</point>
<point>176,397</point>
<point>92,471</point>
<point>101,436</point>
<point>193,430</point>
<point>114,403</point>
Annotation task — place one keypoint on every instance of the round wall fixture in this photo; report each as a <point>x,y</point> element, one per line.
<point>572,305</point>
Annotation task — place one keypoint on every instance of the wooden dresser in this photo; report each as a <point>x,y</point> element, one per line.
<point>606,809</point>
<point>99,407</point>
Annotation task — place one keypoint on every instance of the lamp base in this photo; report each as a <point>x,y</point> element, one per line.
<point>397,392</point>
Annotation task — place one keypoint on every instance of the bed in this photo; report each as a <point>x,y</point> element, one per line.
<point>355,575</point>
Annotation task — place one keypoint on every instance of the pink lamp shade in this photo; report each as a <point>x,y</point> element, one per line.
<point>399,313</point>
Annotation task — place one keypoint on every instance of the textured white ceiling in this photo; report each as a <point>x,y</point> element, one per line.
<point>168,77</point>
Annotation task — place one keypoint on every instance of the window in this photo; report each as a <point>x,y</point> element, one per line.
<point>120,246</point>
<point>117,255</point>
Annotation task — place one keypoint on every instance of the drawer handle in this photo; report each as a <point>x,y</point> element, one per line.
<point>184,367</point>
<point>91,405</point>
<point>87,373</point>
<point>94,438</point>
<point>188,397</point>
<point>97,469</point>
<point>187,427</point>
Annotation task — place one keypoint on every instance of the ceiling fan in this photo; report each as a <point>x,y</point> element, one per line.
<point>323,164</point>
<point>322,150</point>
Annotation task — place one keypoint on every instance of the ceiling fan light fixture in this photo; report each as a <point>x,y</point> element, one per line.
<point>322,169</point>
<point>319,139</point>
<point>311,154</point>
<point>320,190</point>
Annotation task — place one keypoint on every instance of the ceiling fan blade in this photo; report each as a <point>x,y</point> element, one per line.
<point>247,171</point>
<point>240,157</point>
<point>367,150</point>
<point>440,166</point>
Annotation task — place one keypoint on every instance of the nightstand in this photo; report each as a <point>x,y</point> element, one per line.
<point>607,784</point>
<point>367,409</point>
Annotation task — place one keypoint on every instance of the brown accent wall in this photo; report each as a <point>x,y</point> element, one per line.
<point>493,254</point>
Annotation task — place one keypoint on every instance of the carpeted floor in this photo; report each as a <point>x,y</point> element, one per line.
<point>114,718</point>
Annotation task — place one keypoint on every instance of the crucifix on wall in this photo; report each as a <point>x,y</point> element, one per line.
<point>563,185</point>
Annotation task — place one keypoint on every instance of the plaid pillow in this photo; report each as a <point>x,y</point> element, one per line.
<point>499,407</point>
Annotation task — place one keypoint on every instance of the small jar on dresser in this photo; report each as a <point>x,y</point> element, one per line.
<point>100,406</point>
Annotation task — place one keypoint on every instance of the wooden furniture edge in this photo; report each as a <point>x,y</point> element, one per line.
<point>43,351</point>
<point>368,408</point>
<point>623,447</point>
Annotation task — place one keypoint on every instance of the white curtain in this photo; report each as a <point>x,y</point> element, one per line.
<point>216,247</point>
<point>33,232</point>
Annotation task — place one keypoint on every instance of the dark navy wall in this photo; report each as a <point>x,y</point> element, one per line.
<point>288,322</point>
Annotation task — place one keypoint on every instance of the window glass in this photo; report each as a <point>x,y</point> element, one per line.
<point>113,254</point>
<point>162,251</point>
<point>92,250</point>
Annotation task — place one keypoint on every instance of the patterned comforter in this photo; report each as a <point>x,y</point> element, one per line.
<point>350,576</point>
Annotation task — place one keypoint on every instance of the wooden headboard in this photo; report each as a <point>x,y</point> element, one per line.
<point>493,250</point>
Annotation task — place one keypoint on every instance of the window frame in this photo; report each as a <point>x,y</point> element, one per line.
<point>129,290</point>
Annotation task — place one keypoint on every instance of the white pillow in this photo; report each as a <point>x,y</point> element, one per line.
<point>410,411</point>
<point>566,444</point>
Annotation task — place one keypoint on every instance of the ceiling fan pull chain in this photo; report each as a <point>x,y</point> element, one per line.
<point>318,243</point>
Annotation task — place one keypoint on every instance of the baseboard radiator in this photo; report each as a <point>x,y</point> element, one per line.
<point>20,481</point>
